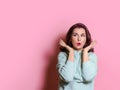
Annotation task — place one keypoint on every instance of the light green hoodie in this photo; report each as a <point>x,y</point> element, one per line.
<point>76,75</point>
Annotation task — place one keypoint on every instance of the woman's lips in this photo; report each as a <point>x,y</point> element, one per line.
<point>78,44</point>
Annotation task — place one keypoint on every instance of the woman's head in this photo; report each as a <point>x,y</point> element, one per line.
<point>78,37</point>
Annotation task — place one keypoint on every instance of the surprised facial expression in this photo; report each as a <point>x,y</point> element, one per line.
<point>78,38</point>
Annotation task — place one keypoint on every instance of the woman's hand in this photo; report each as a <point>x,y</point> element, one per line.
<point>85,51</point>
<point>63,44</point>
<point>93,43</point>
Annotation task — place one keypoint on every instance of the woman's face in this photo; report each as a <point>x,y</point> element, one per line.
<point>78,38</point>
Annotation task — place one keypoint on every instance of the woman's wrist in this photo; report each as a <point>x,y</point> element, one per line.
<point>71,52</point>
<point>85,51</point>
<point>71,56</point>
<point>69,48</point>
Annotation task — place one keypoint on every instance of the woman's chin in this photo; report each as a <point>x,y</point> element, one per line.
<point>78,48</point>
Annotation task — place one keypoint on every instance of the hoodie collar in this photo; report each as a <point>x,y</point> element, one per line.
<point>76,51</point>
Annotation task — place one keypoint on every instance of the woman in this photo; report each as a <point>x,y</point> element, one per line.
<point>77,62</point>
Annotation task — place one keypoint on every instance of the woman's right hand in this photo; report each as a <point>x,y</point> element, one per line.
<point>63,44</point>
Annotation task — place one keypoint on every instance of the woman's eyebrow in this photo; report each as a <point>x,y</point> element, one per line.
<point>75,33</point>
<point>82,33</point>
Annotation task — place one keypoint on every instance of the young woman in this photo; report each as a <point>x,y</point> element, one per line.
<point>77,62</point>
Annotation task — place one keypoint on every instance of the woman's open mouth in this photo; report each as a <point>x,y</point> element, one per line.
<point>78,44</point>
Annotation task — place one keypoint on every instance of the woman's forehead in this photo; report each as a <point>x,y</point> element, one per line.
<point>79,30</point>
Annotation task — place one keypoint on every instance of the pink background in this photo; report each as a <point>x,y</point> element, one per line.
<point>29,34</point>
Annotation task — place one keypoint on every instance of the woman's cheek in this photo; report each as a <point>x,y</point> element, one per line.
<point>83,43</point>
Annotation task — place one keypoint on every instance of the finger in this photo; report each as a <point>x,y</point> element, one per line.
<point>93,43</point>
<point>62,43</point>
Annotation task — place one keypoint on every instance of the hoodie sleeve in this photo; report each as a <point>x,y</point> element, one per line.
<point>89,68</point>
<point>65,67</point>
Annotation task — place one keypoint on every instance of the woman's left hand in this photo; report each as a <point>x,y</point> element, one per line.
<point>93,43</point>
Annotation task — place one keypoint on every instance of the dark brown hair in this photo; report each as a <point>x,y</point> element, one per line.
<point>69,34</point>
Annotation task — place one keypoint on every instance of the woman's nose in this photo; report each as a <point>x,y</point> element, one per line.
<point>79,38</point>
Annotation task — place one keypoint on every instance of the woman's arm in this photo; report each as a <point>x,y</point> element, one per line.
<point>71,55</point>
<point>65,66</point>
<point>85,51</point>
<point>66,63</point>
<point>85,56</point>
<point>89,65</point>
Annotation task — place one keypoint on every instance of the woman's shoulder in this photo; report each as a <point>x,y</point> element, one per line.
<point>93,54</point>
<point>61,53</point>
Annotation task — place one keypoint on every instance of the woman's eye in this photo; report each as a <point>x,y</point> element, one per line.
<point>83,35</point>
<point>74,35</point>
